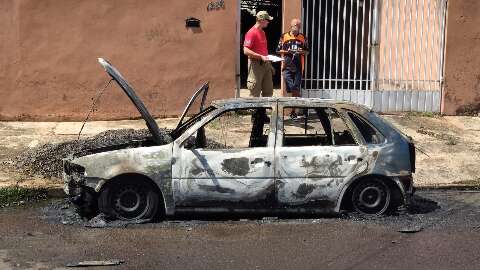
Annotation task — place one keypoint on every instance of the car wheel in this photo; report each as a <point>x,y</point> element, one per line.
<point>371,197</point>
<point>129,200</point>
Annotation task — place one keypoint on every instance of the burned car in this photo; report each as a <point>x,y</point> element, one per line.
<point>247,155</point>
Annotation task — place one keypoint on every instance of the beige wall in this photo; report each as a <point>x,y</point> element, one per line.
<point>462,72</point>
<point>48,66</point>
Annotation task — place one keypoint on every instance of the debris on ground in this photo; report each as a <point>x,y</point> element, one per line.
<point>411,229</point>
<point>95,263</point>
<point>449,139</point>
<point>99,221</point>
<point>46,159</point>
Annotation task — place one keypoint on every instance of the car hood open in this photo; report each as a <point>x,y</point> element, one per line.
<point>116,76</point>
<point>151,124</point>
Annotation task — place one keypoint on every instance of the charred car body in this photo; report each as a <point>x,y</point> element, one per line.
<point>247,155</point>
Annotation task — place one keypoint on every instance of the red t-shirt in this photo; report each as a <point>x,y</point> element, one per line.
<point>256,41</point>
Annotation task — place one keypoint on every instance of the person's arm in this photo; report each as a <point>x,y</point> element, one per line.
<point>254,55</point>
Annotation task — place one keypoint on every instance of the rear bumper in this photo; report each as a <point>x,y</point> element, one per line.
<point>405,183</point>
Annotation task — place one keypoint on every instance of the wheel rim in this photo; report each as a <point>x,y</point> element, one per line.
<point>130,201</point>
<point>371,197</point>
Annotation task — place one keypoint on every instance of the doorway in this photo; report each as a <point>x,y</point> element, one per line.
<point>248,9</point>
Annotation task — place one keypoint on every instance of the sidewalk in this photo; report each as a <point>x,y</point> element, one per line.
<point>451,143</point>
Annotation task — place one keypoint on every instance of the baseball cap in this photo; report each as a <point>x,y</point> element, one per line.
<point>263,15</point>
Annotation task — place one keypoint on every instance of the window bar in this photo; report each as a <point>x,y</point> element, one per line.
<point>427,52</point>
<point>386,79</point>
<point>307,75</point>
<point>356,47</point>
<point>325,45</point>
<point>397,39</point>
<point>361,44</point>
<point>344,15</point>
<point>432,43</point>
<point>410,73</point>
<point>331,47</point>
<point>403,48</point>
<point>416,64</point>
<point>390,46</point>
<point>312,70</point>
<point>318,44</point>
<point>422,49</point>
<point>337,45</point>
<point>350,30</point>
<point>442,43</point>
<point>369,56</point>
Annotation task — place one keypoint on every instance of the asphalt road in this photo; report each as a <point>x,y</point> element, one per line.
<point>447,225</point>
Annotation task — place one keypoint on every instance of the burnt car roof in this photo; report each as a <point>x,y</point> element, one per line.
<point>233,102</point>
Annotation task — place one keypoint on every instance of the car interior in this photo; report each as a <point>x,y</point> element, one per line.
<point>315,127</point>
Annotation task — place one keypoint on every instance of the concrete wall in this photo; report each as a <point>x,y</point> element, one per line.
<point>49,69</point>
<point>462,72</point>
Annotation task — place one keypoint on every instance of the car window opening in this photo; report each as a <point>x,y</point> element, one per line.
<point>315,127</point>
<point>234,129</point>
<point>370,134</point>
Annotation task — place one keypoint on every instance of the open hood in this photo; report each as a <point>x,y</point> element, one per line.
<point>151,124</point>
<point>115,74</point>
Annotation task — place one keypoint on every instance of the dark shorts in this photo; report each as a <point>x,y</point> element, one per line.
<point>293,80</point>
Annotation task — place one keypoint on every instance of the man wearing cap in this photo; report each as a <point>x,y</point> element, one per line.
<point>293,46</point>
<point>260,70</point>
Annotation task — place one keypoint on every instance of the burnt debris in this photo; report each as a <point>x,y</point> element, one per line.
<point>46,160</point>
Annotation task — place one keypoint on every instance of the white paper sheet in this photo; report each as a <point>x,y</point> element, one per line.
<point>274,58</point>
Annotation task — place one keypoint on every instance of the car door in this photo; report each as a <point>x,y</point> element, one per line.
<point>235,166</point>
<point>315,155</point>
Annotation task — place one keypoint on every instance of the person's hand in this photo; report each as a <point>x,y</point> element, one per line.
<point>264,58</point>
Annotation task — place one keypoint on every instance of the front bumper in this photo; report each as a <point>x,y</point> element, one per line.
<point>76,188</point>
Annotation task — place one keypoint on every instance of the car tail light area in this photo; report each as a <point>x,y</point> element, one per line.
<point>411,147</point>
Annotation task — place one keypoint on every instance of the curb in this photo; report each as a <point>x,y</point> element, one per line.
<point>449,187</point>
<point>56,193</point>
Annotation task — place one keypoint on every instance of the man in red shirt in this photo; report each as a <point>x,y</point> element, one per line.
<point>260,70</point>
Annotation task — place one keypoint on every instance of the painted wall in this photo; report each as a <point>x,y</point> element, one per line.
<point>49,69</point>
<point>462,72</point>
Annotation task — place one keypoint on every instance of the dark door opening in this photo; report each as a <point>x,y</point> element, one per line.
<point>248,10</point>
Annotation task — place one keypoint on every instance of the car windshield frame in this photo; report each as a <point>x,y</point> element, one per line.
<point>202,90</point>
<point>177,132</point>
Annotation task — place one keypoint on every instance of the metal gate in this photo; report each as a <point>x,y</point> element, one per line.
<point>386,54</point>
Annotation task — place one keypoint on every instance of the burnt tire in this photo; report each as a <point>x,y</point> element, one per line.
<point>371,197</point>
<point>131,200</point>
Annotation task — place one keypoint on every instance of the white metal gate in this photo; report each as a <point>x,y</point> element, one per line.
<point>386,54</point>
